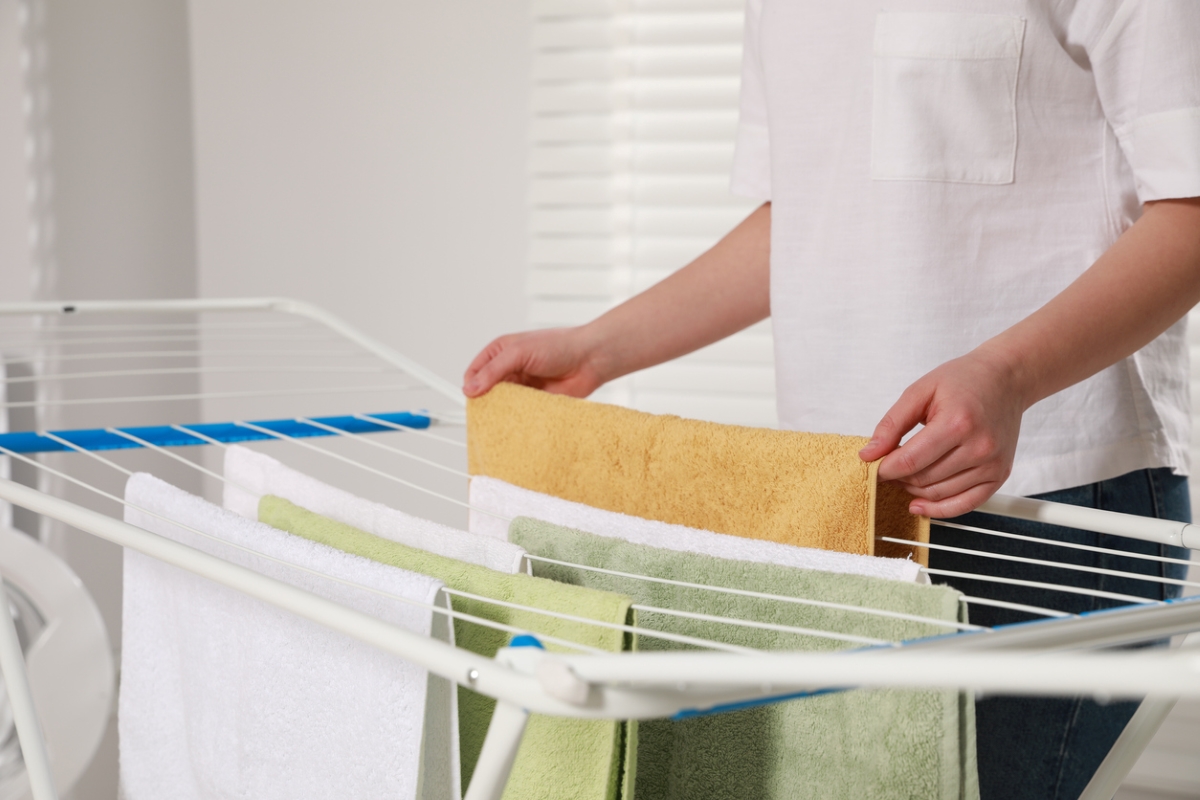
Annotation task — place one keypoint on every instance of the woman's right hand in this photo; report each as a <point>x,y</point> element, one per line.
<point>557,360</point>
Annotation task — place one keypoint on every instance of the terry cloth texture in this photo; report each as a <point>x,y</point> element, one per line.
<point>506,502</point>
<point>249,475</point>
<point>225,696</point>
<point>805,489</point>
<point>558,757</point>
<point>881,744</point>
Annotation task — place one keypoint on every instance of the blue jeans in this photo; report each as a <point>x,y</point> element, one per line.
<point>1048,748</point>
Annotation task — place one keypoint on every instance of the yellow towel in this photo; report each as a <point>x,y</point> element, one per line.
<point>804,489</point>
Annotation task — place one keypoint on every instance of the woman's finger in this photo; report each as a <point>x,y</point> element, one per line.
<point>924,449</point>
<point>959,459</point>
<point>499,361</point>
<point>955,484</point>
<point>957,504</point>
<point>908,412</point>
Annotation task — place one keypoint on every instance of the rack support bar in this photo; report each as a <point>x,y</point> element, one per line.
<point>20,697</point>
<point>499,752</point>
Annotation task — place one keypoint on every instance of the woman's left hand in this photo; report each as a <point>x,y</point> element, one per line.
<point>971,408</point>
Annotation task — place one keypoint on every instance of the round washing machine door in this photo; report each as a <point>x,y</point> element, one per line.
<point>68,658</point>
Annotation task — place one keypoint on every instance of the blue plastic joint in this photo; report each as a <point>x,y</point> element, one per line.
<point>526,640</point>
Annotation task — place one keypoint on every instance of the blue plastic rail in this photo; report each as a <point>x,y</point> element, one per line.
<point>167,436</point>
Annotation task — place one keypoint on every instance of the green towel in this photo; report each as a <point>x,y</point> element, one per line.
<point>559,757</point>
<point>858,744</point>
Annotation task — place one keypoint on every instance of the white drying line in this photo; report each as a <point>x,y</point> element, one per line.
<point>717,589</point>
<point>678,638</point>
<point>58,358</point>
<point>944,623</point>
<point>745,623</point>
<point>1128,598</point>
<point>89,453</point>
<point>199,435</point>
<point>317,573</point>
<point>369,441</point>
<point>457,420</point>
<point>259,369</point>
<point>210,440</point>
<point>158,449</point>
<point>212,396</point>
<point>962,626</point>
<point>823,604</point>
<point>388,424</point>
<point>878,612</point>
<point>360,465</point>
<point>1056,543</point>
<point>767,626</point>
<point>1043,562</point>
<point>1038,610</point>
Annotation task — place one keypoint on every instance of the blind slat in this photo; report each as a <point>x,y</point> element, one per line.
<point>680,190</point>
<point>712,378</point>
<point>599,32</point>
<point>576,8</point>
<point>605,96</point>
<point>634,115</point>
<point>549,313</point>
<point>597,251</point>
<point>688,158</point>
<point>723,61</point>
<point>677,125</point>
<point>567,283</point>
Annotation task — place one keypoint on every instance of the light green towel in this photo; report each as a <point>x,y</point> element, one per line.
<point>859,744</point>
<point>559,758</point>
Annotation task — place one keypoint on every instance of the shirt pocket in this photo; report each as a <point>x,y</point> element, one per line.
<point>945,97</point>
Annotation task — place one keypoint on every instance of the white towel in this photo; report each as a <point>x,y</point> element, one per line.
<point>224,696</point>
<point>250,475</point>
<point>506,500</point>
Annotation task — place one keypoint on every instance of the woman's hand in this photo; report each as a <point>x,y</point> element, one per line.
<point>971,408</point>
<point>557,360</point>
<point>726,289</point>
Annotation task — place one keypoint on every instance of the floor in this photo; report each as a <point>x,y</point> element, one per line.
<point>1170,767</point>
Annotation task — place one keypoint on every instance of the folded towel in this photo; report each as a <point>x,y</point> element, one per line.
<point>249,475</point>
<point>223,695</point>
<point>857,744</point>
<point>558,757</point>
<point>506,502</point>
<point>804,489</point>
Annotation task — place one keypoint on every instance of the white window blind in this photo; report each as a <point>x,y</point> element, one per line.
<point>634,115</point>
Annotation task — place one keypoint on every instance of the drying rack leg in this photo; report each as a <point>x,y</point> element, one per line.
<point>29,730</point>
<point>1128,748</point>
<point>499,752</point>
<point>1132,742</point>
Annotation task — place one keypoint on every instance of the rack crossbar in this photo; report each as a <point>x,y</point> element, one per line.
<point>225,432</point>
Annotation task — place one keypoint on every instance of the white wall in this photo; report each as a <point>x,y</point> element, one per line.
<point>96,157</point>
<point>15,275</point>
<point>368,155</point>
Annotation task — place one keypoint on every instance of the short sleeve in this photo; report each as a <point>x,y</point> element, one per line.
<point>752,153</point>
<point>1145,56</point>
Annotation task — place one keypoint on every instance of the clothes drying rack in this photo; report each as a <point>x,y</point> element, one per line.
<point>208,343</point>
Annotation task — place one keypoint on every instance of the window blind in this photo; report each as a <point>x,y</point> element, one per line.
<point>634,115</point>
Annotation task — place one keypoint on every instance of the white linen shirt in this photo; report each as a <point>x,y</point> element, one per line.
<point>941,169</point>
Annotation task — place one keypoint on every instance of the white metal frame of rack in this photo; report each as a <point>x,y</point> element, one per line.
<point>1029,659</point>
